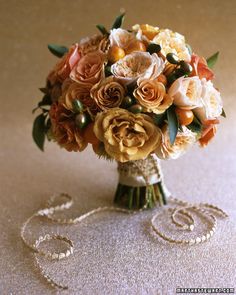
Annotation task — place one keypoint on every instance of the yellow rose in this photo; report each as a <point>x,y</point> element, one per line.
<point>183,141</point>
<point>151,94</point>
<point>127,136</point>
<point>145,32</point>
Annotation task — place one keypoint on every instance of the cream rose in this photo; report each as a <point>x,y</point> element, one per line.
<point>108,93</point>
<point>172,42</point>
<point>212,102</point>
<point>90,68</point>
<point>151,94</point>
<point>121,38</point>
<point>187,92</point>
<point>126,136</point>
<point>138,65</point>
<point>183,141</point>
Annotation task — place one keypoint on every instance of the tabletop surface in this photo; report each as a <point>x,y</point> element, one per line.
<point>114,253</point>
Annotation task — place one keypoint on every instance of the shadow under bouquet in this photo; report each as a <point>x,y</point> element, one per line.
<point>136,96</point>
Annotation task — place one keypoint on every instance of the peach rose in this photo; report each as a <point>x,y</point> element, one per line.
<point>151,94</point>
<point>187,92</point>
<point>121,38</point>
<point>95,43</point>
<point>126,136</point>
<point>108,93</point>
<point>80,92</point>
<point>63,129</point>
<point>90,68</point>
<point>63,68</point>
<point>200,68</point>
<point>211,103</point>
<point>137,65</point>
<point>183,141</point>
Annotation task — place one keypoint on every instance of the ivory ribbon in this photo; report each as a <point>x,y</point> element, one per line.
<point>141,172</point>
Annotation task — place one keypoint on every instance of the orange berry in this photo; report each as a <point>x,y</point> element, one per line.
<point>135,46</point>
<point>185,116</point>
<point>115,53</point>
<point>89,135</point>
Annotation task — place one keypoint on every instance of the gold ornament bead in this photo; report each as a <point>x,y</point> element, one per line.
<point>135,46</point>
<point>115,53</point>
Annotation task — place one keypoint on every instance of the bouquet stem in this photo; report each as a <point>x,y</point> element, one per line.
<point>141,184</point>
<point>140,197</point>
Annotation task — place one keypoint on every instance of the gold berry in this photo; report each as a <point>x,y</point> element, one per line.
<point>115,53</point>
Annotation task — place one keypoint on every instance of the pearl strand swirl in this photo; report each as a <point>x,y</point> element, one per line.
<point>48,213</point>
<point>202,209</point>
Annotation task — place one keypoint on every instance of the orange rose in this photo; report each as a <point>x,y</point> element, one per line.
<point>90,68</point>
<point>207,135</point>
<point>63,68</point>
<point>64,130</point>
<point>200,68</point>
<point>151,94</point>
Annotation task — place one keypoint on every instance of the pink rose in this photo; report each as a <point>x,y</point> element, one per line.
<point>63,68</point>
<point>200,68</point>
<point>90,68</point>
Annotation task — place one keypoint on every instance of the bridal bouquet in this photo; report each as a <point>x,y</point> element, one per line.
<point>136,96</point>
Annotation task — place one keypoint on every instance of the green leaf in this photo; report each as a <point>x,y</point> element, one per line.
<point>173,124</point>
<point>38,131</point>
<point>195,126</point>
<point>212,60</point>
<point>77,106</point>
<point>108,71</point>
<point>159,119</point>
<point>189,49</point>
<point>102,29</point>
<point>118,21</point>
<point>153,48</point>
<point>43,90</point>
<point>57,50</point>
<point>46,100</point>
<point>223,114</point>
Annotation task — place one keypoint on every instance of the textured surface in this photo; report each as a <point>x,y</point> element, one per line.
<point>115,253</point>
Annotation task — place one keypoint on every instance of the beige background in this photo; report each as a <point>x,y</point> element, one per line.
<point>115,254</point>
